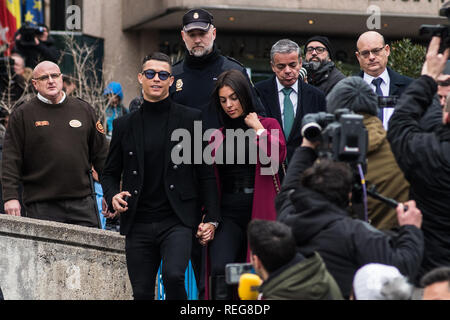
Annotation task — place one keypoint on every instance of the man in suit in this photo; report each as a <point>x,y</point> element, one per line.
<point>160,201</point>
<point>284,97</point>
<point>372,54</point>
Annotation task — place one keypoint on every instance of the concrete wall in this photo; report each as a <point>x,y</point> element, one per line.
<point>42,260</point>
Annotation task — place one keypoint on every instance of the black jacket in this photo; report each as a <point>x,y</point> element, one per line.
<point>345,244</point>
<point>195,80</point>
<point>188,186</point>
<point>311,100</point>
<point>424,158</point>
<point>326,77</point>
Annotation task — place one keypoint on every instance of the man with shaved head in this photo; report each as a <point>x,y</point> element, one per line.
<point>51,144</point>
<point>372,54</point>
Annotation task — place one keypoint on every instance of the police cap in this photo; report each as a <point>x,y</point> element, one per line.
<point>197,19</point>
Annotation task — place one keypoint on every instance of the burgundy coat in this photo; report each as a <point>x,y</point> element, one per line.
<point>265,190</point>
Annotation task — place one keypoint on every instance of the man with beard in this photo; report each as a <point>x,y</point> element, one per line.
<point>322,72</point>
<point>196,74</point>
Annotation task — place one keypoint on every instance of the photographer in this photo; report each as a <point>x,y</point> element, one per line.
<point>35,44</point>
<point>424,157</point>
<point>314,200</point>
<point>322,72</point>
<point>382,169</point>
<point>286,273</point>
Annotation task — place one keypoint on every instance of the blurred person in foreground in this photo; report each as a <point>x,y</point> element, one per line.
<point>424,157</point>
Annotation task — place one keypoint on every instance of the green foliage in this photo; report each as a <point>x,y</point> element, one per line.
<point>407,58</point>
<point>346,68</point>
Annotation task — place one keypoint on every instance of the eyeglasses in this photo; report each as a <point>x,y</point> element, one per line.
<point>319,50</point>
<point>48,76</point>
<point>375,52</point>
<point>150,74</point>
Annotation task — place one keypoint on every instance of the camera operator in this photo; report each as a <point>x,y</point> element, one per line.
<point>286,273</point>
<point>382,169</point>
<point>322,72</point>
<point>35,44</point>
<point>314,200</point>
<point>424,157</point>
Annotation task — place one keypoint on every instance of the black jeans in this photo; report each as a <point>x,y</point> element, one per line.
<point>145,245</point>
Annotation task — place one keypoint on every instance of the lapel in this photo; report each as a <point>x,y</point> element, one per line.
<point>138,134</point>
<point>299,111</point>
<point>274,104</point>
<point>172,124</point>
<point>395,84</point>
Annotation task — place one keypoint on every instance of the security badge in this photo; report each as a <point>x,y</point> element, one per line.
<point>179,85</point>
<point>75,123</point>
<point>196,15</point>
<point>42,123</point>
<point>100,127</point>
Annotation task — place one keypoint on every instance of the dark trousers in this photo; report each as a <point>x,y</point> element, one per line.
<point>230,242</point>
<point>145,245</point>
<point>81,211</point>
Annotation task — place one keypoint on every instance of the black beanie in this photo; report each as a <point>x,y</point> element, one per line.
<point>324,40</point>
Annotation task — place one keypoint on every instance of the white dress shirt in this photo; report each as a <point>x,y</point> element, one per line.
<point>293,96</point>
<point>387,112</point>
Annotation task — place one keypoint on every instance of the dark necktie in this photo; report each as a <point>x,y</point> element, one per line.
<point>288,112</point>
<point>377,83</point>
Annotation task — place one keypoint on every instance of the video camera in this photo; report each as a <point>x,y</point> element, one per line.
<point>311,67</point>
<point>343,135</point>
<point>28,32</point>
<point>233,272</point>
<point>439,30</point>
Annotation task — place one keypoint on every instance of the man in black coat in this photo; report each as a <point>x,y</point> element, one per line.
<point>322,72</point>
<point>373,54</point>
<point>286,62</point>
<point>424,157</point>
<point>196,74</point>
<point>160,201</point>
<point>313,202</point>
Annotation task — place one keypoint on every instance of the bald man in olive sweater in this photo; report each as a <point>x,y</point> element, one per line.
<point>51,144</point>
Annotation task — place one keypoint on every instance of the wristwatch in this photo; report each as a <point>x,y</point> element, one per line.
<point>215,224</point>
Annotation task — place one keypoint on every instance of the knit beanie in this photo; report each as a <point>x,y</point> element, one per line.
<point>325,41</point>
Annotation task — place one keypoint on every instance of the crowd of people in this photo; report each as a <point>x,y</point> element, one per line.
<point>257,190</point>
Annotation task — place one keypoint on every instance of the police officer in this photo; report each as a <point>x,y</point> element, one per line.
<point>195,75</point>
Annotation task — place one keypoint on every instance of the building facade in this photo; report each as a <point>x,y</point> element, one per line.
<point>246,29</point>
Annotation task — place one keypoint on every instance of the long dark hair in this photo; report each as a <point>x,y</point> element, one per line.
<point>239,84</point>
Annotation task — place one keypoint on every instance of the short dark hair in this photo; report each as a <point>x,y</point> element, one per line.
<point>440,274</point>
<point>159,56</point>
<point>331,179</point>
<point>236,80</point>
<point>272,242</point>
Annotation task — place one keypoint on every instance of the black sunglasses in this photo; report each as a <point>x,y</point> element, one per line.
<point>162,75</point>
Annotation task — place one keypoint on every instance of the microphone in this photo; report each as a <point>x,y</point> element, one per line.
<point>248,286</point>
<point>303,73</point>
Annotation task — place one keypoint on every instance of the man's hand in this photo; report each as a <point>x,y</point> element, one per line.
<point>205,233</point>
<point>105,210</point>
<point>412,216</point>
<point>310,144</point>
<point>435,62</point>
<point>118,203</point>
<point>12,207</point>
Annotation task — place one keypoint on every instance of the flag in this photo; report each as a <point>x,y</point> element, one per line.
<point>33,12</point>
<point>10,21</point>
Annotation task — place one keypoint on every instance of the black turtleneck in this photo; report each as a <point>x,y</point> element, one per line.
<point>153,203</point>
<point>200,62</point>
<point>233,175</point>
